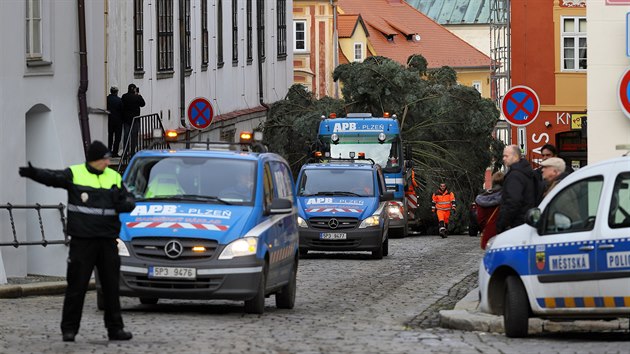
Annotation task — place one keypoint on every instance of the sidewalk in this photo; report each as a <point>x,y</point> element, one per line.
<point>36,286</point>
<point>467,317</point>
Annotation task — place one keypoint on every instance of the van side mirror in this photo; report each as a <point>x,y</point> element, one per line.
<point>386,197</point>
<point>532,217</point>
<point>281,206</point>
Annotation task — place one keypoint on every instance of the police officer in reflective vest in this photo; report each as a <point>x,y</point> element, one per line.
<point>443,202</point>
<point>95,197</point>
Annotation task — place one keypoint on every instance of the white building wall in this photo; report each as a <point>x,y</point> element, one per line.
<point>230,88</point>
<point>607,61</point>
<point>39,120</point>
<point>476,35</point>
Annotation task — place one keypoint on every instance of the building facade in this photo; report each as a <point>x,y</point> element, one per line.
<point>343,31</point>
<point>608,125</point>
<point>54,85</point>
<point>549,55</point>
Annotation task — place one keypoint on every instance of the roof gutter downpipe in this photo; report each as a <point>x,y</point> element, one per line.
<point>182,71</point>
<point>83,81</point>
<point>261,95</point>
<point>335,44</point>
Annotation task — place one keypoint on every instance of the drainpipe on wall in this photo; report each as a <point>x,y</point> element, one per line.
<point>335,44</point>
<point>182,71</point>
<point>83,80</point>
<point>261,94</point>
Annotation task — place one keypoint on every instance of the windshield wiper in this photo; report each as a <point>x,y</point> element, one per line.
<point>332,193</point>
<point>193,197</point>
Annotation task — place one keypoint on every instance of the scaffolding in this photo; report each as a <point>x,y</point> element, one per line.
<point>500,51</point>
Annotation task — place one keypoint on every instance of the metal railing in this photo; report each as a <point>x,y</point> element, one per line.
<point>38,207</point>
<point>140,137</point>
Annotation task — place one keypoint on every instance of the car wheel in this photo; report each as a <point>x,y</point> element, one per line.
<point>285,299</point>
<point>405,231</point>
<point>148,300</point>
<point>303,252</point>
<point>386,247</point>
<point>100,301</point>
<point>378,253</point>
<point>257,303</point>
<point>516,311</point>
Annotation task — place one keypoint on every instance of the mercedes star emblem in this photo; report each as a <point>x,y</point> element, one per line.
<point>173,249</point>
<point>333,223</point>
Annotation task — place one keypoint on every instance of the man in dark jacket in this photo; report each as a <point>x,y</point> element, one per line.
<point>115,121</point>
<point>95,197</point>
<point>521,190</point>
<point>132,101</point>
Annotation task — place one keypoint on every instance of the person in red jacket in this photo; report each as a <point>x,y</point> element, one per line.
<point>443,202</point>
<point>488,209</point>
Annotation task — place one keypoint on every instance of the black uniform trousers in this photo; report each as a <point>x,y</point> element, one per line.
<point>114,134</point>
<point>85,254</point>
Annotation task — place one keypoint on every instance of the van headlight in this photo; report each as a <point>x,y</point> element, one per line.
<point>122,248</point>
<point>302,222</point>
<point>245,246</point>
<point>373,220</point>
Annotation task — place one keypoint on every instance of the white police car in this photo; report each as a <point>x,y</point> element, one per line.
<point>210,224</point>
<point>572,258</point>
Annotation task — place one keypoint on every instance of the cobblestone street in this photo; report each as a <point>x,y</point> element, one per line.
<point>346,303</point>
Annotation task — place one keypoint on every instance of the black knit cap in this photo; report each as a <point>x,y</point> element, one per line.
<point>97,151</point>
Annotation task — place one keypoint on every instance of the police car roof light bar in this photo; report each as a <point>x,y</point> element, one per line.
<point>345,159</point>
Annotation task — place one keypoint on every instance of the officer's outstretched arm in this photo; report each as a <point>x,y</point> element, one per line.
<point>51,178</point>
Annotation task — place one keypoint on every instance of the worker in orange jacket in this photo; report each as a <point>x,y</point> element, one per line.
<point>443,202</point>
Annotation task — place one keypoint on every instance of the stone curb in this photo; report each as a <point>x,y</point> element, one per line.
<point>467,317</point>
<point>36,289</point>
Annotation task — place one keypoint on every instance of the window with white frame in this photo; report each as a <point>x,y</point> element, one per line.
<point>477,85</point>
<point>573,42</point>
<point>358,51</point>
<point>299,35</point>
<point>34,50</point>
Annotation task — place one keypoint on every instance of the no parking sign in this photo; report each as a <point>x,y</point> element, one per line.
<point>520,106</point>
<point>200,113</point>
<point>623,93</point>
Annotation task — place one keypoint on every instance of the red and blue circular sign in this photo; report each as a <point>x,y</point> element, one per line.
<point>520,106</point>
<point>623,93</point>
<point>200,113</point>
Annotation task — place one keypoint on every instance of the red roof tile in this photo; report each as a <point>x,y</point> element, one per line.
<point>346,25</point>
<point>396,19</point>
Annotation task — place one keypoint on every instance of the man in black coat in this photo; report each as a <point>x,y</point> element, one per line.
<point>132,101</point>
<point>115,121</point>
<point>95,197</point>
<point>521,190</point>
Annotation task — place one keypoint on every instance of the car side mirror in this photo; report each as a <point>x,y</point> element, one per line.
<point>386,197</point>
<point>532,217</point>
<point>281,206</point>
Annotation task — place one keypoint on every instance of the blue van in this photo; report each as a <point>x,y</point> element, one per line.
<point>342,206</point>
<point>210,224</point>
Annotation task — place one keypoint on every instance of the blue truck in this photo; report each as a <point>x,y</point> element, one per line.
<point>216,223</point>
<point>379,139</point>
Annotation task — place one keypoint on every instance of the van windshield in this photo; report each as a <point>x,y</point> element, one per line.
<point>358,183</point>
<point>201,179</point>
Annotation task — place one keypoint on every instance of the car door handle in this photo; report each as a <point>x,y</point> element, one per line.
<point>587,248</point>
<point>607,246</point>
